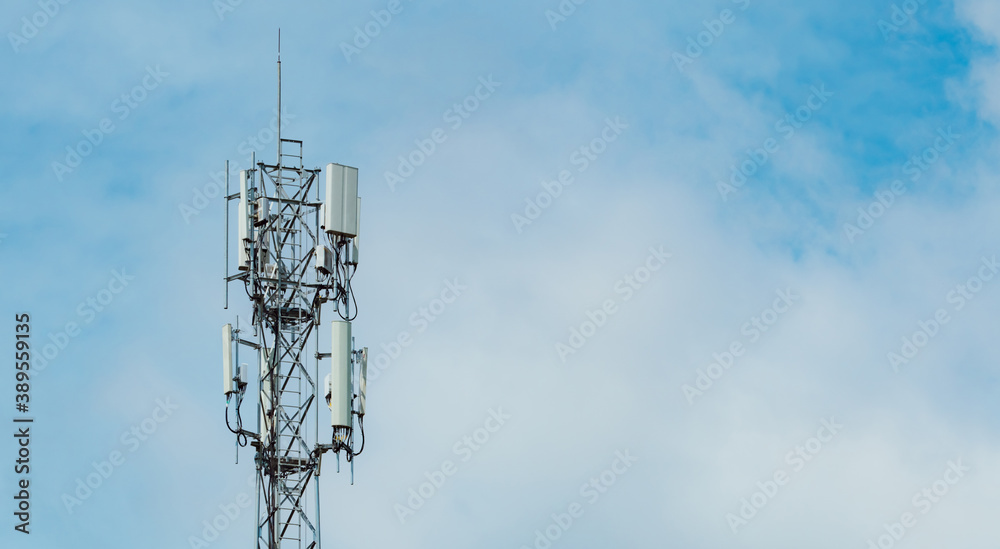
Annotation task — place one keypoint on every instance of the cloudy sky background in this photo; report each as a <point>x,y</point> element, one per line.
<point>123,208</point>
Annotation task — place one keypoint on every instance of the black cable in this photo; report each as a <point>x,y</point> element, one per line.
<point>350,291</point>
<point>227,418</point>
<point>342,290</point>
<point>241,438</point>
<point>342,277</point>
<point>361,424</point>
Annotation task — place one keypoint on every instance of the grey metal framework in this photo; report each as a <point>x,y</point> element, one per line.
<point>286,292</point>
<point>286,309</point>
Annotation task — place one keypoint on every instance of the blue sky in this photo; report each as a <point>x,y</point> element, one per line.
<point>209,77</point>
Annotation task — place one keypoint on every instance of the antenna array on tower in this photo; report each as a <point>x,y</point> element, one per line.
<point>296,255</point>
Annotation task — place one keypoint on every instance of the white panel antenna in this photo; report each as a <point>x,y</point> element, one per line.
<point>342,390</point>
<point>265,395</point>
<point>353,259</point>
<point>363,382</point>
<point>341,200</point>
<point>227,359</point>
<point>242,219</point>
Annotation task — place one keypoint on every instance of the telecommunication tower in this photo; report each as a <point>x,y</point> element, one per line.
<point>295,253</point>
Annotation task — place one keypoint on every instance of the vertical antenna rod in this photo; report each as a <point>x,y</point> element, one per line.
<point>279,97</point>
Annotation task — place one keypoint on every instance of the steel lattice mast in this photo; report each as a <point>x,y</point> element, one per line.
<point>294,253</point>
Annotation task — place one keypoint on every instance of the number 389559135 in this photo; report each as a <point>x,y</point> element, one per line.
<point>22,355</point>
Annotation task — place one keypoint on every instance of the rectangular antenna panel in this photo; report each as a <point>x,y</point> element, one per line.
<point>265,394</point>
<point>363,382</point>
<point>341,200</point>
<point>242,219</point>
<point>352,253</point>
<point>227,359</point>
<point>342,392</point>
<point>355,243</point>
